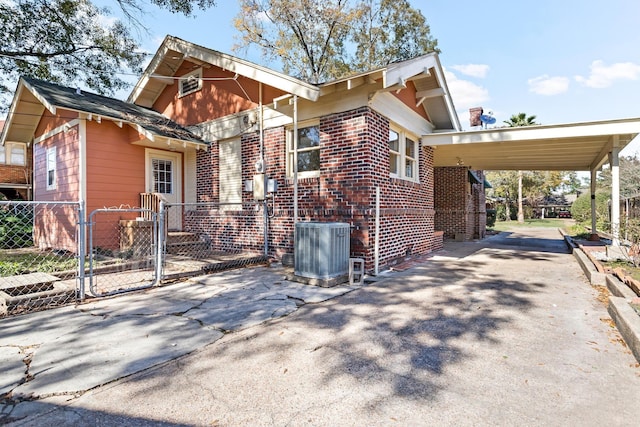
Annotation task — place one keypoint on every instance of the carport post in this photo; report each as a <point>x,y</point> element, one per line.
<point>614,161</point>
<point>594,230</point>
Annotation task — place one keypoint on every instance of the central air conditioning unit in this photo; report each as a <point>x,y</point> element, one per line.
<point>322,250</point>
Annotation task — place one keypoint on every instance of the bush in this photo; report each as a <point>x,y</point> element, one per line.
<point>581,210</point>
<point>15,230</point>
<point>491,217</point>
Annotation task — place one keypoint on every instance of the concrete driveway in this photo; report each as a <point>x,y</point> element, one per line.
<point>501,332</point>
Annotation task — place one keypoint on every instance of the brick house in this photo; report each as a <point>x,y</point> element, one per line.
<point>202,127</point>
<point>15,169</point>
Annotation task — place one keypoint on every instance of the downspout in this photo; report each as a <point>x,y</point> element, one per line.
<point>295,164</point>
<point>264,163</point>
<point>376,249</point>
<point>594,231</point>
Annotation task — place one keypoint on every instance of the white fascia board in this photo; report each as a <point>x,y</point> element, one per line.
<point>148,72</point>
<point>442,81</point>
<point>47,105</point>
<point>397,112</point>
<point>629,127</point>
<point>397,74</point>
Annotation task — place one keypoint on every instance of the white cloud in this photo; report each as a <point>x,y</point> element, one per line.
<point>546,85</point>
<point>602,75</point>
<point>465,94</point>
<point>473,70</point>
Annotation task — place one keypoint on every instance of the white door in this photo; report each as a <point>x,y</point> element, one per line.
<point>164,176</point>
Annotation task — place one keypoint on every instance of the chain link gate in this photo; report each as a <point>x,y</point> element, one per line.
<point>124,250</point>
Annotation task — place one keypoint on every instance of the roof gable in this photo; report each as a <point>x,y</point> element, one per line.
<point>174,51</point>
<point>34,96</point>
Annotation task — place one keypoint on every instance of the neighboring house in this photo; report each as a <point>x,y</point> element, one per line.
<point>15,169</point>
<point>204,127</point>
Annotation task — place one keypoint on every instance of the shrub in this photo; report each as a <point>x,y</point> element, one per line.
<point>15,230</point>
<point>491,217</point>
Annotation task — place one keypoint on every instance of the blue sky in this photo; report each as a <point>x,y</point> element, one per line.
<point>561,60</point>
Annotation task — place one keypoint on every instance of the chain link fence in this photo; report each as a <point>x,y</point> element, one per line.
<point>38,255</point>
<point>214,236</point>
<point>51,256</point>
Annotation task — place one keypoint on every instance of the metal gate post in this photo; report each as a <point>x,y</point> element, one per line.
<point>160,242</point>
<point>82,250</point>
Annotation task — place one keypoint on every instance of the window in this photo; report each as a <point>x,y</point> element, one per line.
<point>308,151</point>
<point>51,168</point>
<point>13,153</point>
<point>403,155</point>
<point>17,155</point>
<point>162,176</point>
<point>191,82</point>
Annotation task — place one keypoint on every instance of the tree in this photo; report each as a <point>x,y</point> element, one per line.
<point>70,42</point>
<point>517,120</point>
<point>389,31</point>
<point>629,177</point>
<point>319,40</point>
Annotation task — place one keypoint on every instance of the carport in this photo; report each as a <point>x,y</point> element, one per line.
<point>571,147</point>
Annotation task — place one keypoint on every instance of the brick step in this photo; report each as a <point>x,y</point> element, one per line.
<point>181,248</point>
<point>181,237</point>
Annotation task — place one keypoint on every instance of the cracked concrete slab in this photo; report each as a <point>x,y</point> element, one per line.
<point>231,315</point>
<point>101,350</point>
<point>12,368</point>
<point>75,349</point>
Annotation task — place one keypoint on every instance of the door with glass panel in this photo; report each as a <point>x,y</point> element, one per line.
<point>164,176</point>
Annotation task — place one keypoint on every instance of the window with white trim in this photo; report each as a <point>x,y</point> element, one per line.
<point>403,155</point>
<point>308,151</point>
<point>13,153</point>
<point>51,168</point>
<point>190,82</point>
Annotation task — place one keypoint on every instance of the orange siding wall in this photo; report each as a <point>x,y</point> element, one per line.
<point>67,185</point>
<point>55,225</point>
<point>408,97</point>
<point>216,99</point>
<point>115,168</point>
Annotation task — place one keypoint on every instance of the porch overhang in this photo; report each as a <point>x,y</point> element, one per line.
<point>573,147</point>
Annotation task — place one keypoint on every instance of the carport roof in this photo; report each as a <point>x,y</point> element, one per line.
<point>574,146</point>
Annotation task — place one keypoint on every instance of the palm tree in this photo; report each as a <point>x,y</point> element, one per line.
<point>519,120</point>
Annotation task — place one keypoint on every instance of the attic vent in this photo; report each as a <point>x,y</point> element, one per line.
<point>191,82</point>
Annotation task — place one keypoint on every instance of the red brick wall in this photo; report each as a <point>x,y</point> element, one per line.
<point>460,206</point>
<point>354,160</point>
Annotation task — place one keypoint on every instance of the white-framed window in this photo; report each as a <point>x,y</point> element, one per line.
<point>51,168</point>
<point>308,150</point>
<point>403,155</point>
<point>190,82</point>
<point>13,153</point>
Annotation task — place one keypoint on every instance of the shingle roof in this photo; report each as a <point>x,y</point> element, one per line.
<point>91,103</point>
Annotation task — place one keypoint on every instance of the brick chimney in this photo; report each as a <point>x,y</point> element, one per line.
<point>474,116</point>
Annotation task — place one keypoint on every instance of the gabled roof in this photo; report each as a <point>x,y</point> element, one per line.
<point>33,96</point>
<point>173,51</point>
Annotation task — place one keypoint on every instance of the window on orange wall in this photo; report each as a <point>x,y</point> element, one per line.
<point>51,168</point>
<point>403,155</point>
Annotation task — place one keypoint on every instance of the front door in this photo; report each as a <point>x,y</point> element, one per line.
<point>164,176</point>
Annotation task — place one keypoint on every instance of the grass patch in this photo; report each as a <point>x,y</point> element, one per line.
<point>547,222</point>
<point>18,261</point>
